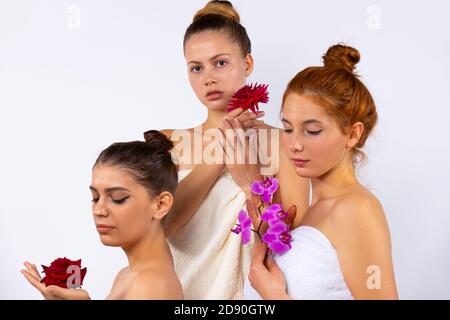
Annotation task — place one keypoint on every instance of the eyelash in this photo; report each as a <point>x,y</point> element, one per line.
<point>217,65</point>
<point>225,63</point>
<point>120,201</point>
<point>192,69</point>
<point>312,133</point>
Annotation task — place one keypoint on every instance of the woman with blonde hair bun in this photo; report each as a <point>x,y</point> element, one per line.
<point>210,260</point>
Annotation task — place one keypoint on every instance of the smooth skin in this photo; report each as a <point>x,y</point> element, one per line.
<point>215,62</point>
<point>347,213</point>
<point>134,218</point>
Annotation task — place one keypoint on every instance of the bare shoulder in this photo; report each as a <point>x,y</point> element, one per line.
<point>151,285</point>
<point>358,205</point>
<point>359,215</point>
<point>119,275</point>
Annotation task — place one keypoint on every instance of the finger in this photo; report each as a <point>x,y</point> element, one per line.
<point>36,272</point>
<point>259,253</point>
<point>220,137</point>
<point>229,141</point>
<point>240,134</point>
<point>270,263</point>
<point>32,270</point>
<point>251,123</point>
<point>236,112</point>
<point>292,213</point>
<point>252,213</point>
<point>250,116</point>
<point>33,281</point>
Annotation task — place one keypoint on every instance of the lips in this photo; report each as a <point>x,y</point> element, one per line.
<point>214,95</point>
<point>299,162</point>
<point>103,228</point>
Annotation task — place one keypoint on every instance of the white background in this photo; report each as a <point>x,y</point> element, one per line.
<point>69,88</point>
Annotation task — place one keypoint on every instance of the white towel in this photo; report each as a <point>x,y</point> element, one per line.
<point>209,259</point>
<point>311,268</point>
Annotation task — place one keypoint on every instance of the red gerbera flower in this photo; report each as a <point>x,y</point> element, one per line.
<point>248,97</point>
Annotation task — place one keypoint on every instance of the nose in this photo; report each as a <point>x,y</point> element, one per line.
<point>209,78</point>
<point>295,145</point>
<point>99,209</point>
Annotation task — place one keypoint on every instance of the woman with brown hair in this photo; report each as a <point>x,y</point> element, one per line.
<point>132,192</point>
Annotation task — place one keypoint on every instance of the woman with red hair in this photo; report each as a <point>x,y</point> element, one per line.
<point>342,248</point>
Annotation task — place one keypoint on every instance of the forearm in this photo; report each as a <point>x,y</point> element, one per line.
<point>190,193</point>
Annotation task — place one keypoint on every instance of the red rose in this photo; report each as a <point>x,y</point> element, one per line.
<point>60,270</point>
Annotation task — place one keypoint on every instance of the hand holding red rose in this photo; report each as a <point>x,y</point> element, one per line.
<point>53,291</point>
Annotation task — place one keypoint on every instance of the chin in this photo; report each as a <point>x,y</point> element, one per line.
<point>109,241</point>
<point>305,172</point>
<point>216,105</point>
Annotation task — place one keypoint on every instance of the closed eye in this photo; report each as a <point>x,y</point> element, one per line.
<point>313,133</point>
<point>120,201</point>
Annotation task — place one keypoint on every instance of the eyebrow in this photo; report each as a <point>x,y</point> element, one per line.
<point>304,122</point>
<point>212,58</point>
<point>112,189</point>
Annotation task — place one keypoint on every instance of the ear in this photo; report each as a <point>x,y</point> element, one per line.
<point>248,64</point>
<point>162,204</point>
<point>354,134</point>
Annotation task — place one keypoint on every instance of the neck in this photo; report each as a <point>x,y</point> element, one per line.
<point>150,250</point>
<point>214,119</point>
<point>335,182</point>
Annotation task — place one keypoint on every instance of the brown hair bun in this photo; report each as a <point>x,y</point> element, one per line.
<point>341,56</point>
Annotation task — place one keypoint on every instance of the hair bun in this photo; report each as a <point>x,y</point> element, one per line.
<point>218,7</point>
<point>158,140</point>
<point>341,56</point>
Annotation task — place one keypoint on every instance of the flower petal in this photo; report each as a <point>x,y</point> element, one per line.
<point>273,221</point>
<point>266,196</point>
<point>273,187</point>
<point>246,224</point>
<point>279,247</point>
<point>242,217</point>
<point>267,216</point>
<point>257,188</point>
<point>237,229</point>
<point>278,228</point>
<point>246,234</point>
<point>283,215</point>
<point>269,237</point>
<point>276,207</point>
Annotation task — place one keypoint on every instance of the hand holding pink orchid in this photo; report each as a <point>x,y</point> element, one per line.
<point>276,232</point>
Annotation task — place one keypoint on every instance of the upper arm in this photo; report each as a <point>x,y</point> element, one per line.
<point>364,249</point>
<point>294,190</point>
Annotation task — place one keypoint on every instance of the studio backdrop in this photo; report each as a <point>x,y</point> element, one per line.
<point>76,76</point>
